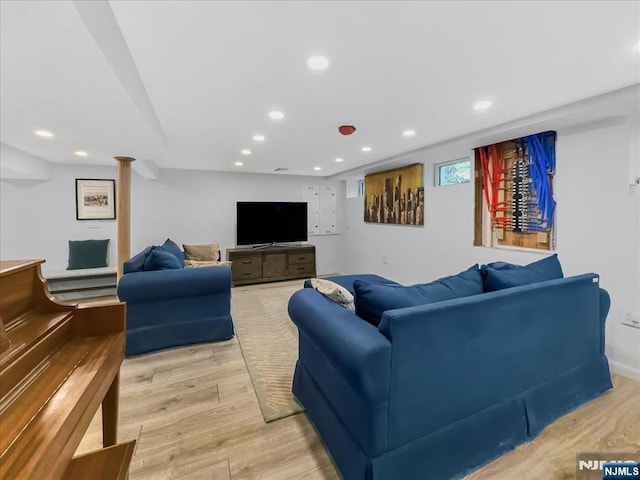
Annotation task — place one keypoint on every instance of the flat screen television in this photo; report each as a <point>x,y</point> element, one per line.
<point>270,222</point>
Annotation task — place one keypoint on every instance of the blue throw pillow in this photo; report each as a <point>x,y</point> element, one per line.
<point>372,299</point>
<point>499,275</point>
<point>136,263</point>
<point>173,248</point>
<point>87,254</point>
<point>161,259</point>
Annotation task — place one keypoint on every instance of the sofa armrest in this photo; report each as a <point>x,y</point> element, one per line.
<point>140,287</point>
<point>355,348</point>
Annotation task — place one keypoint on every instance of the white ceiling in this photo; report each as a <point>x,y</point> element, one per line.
<point>186,84</point>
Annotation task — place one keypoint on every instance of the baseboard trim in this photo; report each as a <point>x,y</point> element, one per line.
<point>324,275</point>
<point>625,370</point>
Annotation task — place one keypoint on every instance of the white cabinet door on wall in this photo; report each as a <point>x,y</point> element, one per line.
<point>327,210</point>
<point>321,204</point>
<point>311,195</point>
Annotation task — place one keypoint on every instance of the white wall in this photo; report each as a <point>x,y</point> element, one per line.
<point>38,217</point>
<point>597,227</point>
<point>200,207</point>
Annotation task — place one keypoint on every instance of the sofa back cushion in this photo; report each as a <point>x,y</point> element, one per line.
<point>372,300</point>
<point>499,275</point>
<point>161,259</point>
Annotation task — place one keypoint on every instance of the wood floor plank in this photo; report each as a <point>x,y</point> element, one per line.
<point>162,403</point>
<point>287,448</point>
<point>202,470</point>
<point>173,357</point>
<point>209,434</point>
<point>136,377</point>
<point>195,415</point>
<point>231,388</point>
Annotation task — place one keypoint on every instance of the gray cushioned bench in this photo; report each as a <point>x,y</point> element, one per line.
<point>81,284</point>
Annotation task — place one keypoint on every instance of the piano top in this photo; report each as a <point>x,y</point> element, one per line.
<point>7,267</point>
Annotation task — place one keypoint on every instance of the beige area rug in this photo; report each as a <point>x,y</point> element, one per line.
<point>269,342</point>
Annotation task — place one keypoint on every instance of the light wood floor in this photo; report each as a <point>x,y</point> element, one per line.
<point>195,416</point>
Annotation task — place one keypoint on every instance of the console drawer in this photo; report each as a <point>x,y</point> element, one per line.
<point>302,269</point>
<point>247,268</point>
<point>295,258</point>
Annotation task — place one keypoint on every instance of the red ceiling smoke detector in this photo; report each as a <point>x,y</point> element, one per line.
<point>346,129</point>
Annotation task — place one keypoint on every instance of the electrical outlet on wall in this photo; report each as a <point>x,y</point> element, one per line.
<point>385,260</point>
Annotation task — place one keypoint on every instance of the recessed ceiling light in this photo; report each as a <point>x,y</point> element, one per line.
<point>245,151</point>
<point>81,153</point>
<point>276,115</point>
<point>317,62</point>
<point>317,168</point>
<point>338,159</point>
<point>238,164</point>
<point>409,133</point>
<point>258,138</point>
<point>44,133</point>
<point>366,149</point>
<point>636,47</point>
<point>482,105</point>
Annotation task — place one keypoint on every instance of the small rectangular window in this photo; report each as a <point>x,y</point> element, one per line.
<point>453,173</point>
<point>361,189</point>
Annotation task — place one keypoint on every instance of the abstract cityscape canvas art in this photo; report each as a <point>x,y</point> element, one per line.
<point>395,196</point>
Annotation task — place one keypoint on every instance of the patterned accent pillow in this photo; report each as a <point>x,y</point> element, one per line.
<point>202,253</point>
<point>334,292</point>
<point>200,264</point>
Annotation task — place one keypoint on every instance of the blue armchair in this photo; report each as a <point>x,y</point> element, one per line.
<point>174,307</point>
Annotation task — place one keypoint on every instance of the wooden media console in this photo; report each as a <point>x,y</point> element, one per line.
<point>271,264</point>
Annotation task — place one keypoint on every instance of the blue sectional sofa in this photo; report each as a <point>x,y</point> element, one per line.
<point>170,307</point>
<point>438,389</point>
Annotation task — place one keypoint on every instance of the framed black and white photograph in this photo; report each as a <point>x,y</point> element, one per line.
<point>95,199</point>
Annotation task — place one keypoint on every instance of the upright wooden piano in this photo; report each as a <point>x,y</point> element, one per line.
<point>58,363</point>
